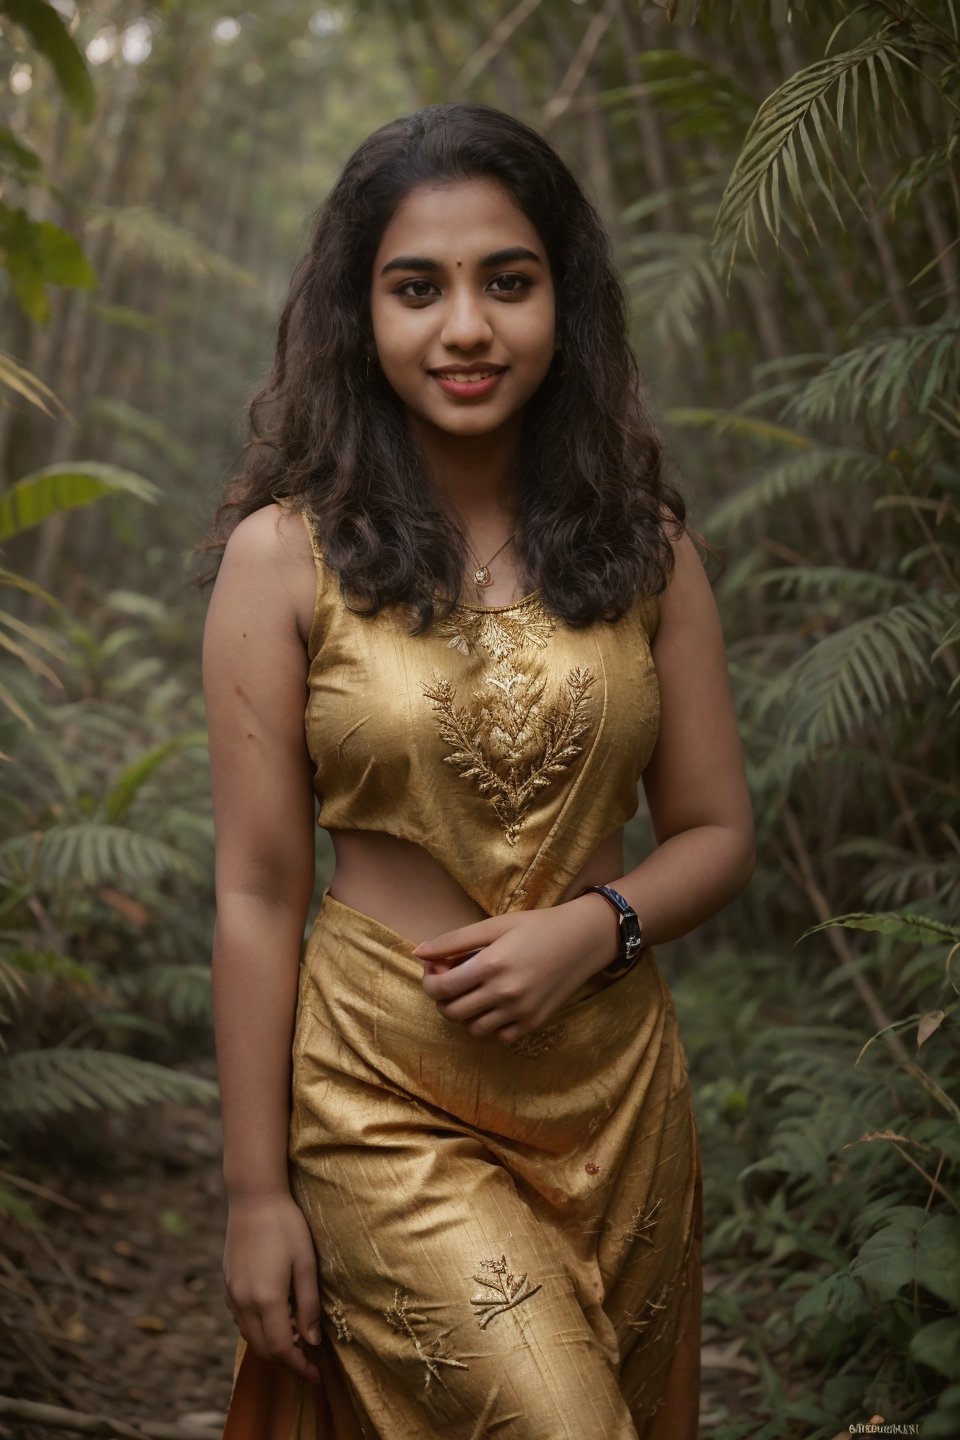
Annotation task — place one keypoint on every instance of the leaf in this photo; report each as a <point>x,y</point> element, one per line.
<point>21,380</point>
<point>839,1296</point>
<point>915,1249</point>
<point>779,122</point>
<point>125,789</point>
<point>918,929</point>
<point>37,253</point>
<point>52,39</point>
<point>154,237</point>
<point>938,1347</point>
<point>57,488</point>
<point>19,156</point>
<point>929,1023</point>
<point>61,1081</point>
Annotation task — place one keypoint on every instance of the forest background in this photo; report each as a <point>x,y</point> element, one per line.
<point>781,183</point>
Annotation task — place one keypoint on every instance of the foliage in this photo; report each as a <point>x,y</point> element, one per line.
<point>105,873</point>
<point>807,379</point>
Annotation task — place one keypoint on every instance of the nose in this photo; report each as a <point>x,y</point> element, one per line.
<point>465,323</point>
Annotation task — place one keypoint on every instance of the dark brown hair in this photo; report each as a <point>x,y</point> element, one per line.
<point>591,502</point>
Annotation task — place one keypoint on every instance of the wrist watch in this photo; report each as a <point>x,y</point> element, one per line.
<point>631,931</point>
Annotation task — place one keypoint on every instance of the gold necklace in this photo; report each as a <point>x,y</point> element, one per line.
<point>482,574</point>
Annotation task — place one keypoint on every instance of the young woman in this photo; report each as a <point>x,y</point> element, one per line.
<point>460,1156</point>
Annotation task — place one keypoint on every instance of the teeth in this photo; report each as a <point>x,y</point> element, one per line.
<point>471,378</point>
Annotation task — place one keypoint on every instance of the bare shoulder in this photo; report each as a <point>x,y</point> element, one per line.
<point>268,559</point>
<point>687,605</point>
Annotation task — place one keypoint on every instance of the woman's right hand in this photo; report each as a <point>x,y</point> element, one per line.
<point>270,1273</point>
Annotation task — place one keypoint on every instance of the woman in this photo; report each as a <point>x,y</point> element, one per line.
<point>470,1204</point>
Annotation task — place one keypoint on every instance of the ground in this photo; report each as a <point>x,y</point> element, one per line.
<point>113,1304</point>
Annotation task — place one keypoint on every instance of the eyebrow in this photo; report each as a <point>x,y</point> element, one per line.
<point>496,257</point>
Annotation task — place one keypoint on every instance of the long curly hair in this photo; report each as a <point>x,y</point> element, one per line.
<point>327,430</point>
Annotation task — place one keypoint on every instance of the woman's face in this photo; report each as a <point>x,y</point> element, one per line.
<point>463,307</point>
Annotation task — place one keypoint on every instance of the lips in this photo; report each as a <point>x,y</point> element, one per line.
<point>468,382</point>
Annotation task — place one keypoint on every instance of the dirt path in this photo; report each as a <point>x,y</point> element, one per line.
<point>114,1304</point>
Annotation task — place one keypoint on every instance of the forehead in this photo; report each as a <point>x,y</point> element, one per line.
<point>465,218</point>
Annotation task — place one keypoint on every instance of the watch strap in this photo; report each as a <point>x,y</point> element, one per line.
<point>631,931</point>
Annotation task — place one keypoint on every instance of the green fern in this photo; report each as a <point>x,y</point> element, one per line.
<point>796,475</point>
<point>183,990</point>
<point>92,853</point>
<point>854,675</point>
<point>677,278</point>
<point>894,372</point>
<point>837,582</point>
<point>38,1083</point>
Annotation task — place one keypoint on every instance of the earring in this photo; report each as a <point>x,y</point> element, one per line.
<point>558,354</point>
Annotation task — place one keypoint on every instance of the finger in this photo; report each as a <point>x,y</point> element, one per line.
<point>457,981</point>
<point>456,942</point>
<point>472,1006</point>
<point>510,1034</point>
<point>306,1298</point>
<point>487,1024</point>
<point>281,1346</point>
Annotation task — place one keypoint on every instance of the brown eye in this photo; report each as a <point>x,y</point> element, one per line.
<point>410,293</point>
<point>510,284</point>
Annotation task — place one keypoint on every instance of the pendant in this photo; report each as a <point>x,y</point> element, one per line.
<point>482,575</point>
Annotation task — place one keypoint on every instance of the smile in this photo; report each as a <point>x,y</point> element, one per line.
<point>468,384</point>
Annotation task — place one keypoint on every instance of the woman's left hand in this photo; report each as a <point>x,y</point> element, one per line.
<point>507,975</point>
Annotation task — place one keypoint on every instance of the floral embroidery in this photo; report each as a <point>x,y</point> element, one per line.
<point>401,1318</point>
<point>642,1225</point>
<point>341,1324</point>
<point>513,738</point>
<point>505,1291</point>
<point>513,742</point>
<point>497,634</point>
<point>538,1042</point>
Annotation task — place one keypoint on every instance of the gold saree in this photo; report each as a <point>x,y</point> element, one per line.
<point>508,1239</point>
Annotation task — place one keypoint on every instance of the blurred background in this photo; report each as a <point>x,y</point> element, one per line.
<point>781,182</point>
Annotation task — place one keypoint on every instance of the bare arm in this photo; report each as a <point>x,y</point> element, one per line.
<point>695,783</point>
<point>532,961</point>
<point>254,673</point>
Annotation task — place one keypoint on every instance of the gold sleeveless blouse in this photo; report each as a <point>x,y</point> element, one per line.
<point>502,741</point>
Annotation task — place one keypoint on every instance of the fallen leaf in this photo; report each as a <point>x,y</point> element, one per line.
<point>928,1024</point>
<point>110,1278</point>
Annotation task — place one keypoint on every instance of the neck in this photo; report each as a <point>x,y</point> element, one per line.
<point>473,474</point>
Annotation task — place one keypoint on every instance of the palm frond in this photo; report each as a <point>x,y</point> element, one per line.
<point>35,1084</point>
<point>893,370</point>
<point>126,419</point>
<point>796,475</point>
<point>152,236</point>
<point>837,582</point>
<point>184,990</point>
<point>90,853</point>
<point>855,675</point>
<point>782,127</point>
<point>677,278</point>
